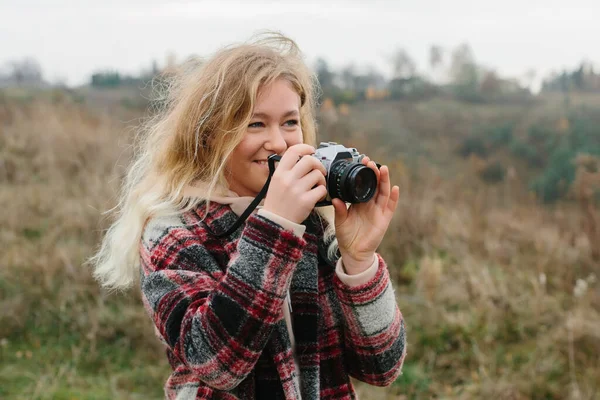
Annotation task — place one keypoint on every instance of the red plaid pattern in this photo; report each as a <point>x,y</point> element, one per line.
<point>217,305</point>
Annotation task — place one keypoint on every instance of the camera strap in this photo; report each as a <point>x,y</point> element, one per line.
<point>261,195</point>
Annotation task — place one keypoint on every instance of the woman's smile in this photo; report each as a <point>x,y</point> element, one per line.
<point>273,127</point>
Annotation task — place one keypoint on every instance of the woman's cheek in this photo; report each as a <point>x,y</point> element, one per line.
<point>298,138</point>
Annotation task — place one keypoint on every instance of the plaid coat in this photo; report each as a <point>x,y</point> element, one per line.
<point>217,305</point>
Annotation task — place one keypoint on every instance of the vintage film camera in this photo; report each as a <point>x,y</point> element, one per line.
<point>347,178</point>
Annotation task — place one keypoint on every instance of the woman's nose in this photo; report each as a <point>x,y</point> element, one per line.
<point>275,141</point>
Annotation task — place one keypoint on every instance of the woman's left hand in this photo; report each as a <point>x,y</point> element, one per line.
<point>360,228</point>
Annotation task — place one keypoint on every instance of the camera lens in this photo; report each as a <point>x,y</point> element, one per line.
<point>351,182</point>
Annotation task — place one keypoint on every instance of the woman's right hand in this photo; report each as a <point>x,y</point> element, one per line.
<point>296,186</point>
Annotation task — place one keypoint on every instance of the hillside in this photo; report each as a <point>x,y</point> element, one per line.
<point>499,290</point>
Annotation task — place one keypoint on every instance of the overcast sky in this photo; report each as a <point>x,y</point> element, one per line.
<point>71,39</point>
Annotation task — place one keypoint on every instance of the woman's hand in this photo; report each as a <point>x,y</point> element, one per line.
<point>360,228</point>
<point>296,186</point>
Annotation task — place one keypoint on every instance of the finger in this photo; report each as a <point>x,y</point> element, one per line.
<point>317,194</point>
<point>392,203</point>
<point>306,165</point>
<point>310,180</point>
<point>384,187</point>
<point>365,160</point>
<point>341,211</point>
<point>373,166</point>
<point>291,156</point>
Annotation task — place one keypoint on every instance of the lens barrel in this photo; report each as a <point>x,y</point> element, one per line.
<point>351,182</point>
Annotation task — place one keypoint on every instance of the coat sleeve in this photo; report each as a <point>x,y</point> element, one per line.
<point>375,335</point>
<point>218,323</point>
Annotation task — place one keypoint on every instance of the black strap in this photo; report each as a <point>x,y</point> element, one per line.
<point>261,195</point>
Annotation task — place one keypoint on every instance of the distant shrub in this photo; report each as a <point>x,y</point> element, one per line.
<point>581,136</point>
<point>344,96</point>
<point>540,134</point>
<point>493,173</point>
<point>112,79</point>
<point>413,88</point>
<point>473,145</point>
<point>527,152</point>
<point>468,95</point>
<point>585,133</point>
<point>557,177</point>
<point>106,79</point>
<point>500,135</point>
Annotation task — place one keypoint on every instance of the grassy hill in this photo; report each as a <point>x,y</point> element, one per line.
<point>498,290</point>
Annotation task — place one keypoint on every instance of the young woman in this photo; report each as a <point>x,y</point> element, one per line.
<point>295,301</point>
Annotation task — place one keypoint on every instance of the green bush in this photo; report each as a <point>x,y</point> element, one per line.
<point>340,96</point>
<point>540,134</point>
<point>585,133</point>
<point>557,177</point>
<point>473,145</point>
<point>106,79</point>
<point>583,136</point>
<point>500,135</point>
<point>411,88</point>
<point>527,152</point>
<point>493,173</point>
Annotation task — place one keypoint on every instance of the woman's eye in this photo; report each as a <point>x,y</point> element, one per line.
<point>256,125</point>
<point>292,122</point>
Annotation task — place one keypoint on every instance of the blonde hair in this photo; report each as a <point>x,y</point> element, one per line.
<point>202,118</point>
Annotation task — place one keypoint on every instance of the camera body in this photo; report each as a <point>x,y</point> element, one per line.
<point>328,152</point>
<point>347,178</point>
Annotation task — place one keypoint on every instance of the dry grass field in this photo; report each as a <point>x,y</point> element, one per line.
<point>499,292</point>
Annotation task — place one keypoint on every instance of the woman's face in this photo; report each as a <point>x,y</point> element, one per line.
<point>275,126</point>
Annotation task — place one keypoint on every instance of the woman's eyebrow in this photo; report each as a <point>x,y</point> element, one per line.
<point>266,116</point>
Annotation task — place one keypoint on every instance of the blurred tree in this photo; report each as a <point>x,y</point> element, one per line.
<point>464,73</point>
<point>436,64</point>
<point>529,78</point>
<point>490,84</point>
<point>362,82</point>
<point>26,72</point>
<point>106,79</point>
<point>577,78</point>
<point>435,56</point>
<point>403,66</point>
<point>436,61</point>
<point>591,79</point>
<point>565,84</point>
<point>582,78</point>
<point>462,57</point>
<point>324,74</point>
<point>377,86</point>
<point>411,88</point>
<point>348,77</point>
<point>375,78</point>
